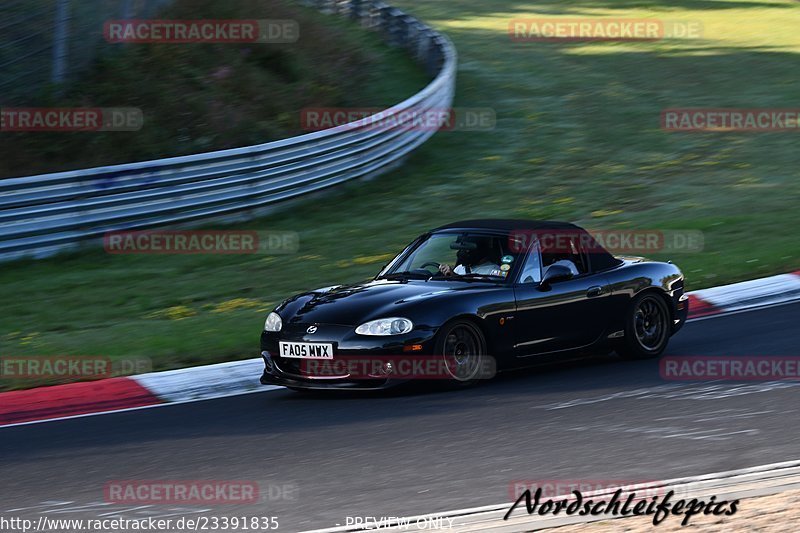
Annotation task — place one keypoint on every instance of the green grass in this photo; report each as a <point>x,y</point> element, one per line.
<point>577,138</point>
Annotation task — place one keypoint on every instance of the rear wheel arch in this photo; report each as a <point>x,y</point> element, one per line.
<point>660,292</point>
<point>638,343</point>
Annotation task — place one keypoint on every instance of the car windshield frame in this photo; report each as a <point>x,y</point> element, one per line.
<point>392,267</point>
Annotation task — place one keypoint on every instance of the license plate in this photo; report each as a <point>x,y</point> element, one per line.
<point>306,350</point>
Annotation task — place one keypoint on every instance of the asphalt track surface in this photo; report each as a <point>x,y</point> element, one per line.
<point>421,451</point>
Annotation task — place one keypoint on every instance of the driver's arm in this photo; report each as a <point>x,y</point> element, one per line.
<point>458,270</point>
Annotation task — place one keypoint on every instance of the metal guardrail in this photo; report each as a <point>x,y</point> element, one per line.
<point>41,215</point>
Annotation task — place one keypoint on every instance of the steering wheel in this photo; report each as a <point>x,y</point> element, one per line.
<point>430,263</point>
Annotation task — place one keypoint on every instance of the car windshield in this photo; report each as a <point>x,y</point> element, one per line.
<point>458,256</point>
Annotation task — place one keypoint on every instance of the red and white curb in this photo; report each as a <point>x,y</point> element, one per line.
<point>134,392</point>
<point>242,377</point>
<point>203,382</point>
<point>745,295</point>
<point>73,399</point>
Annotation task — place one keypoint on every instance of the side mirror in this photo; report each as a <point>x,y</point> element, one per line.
<point>555,273</point>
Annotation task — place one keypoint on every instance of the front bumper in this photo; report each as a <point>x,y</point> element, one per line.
<point>285,379</point>
<point>680,311</point>
<point>290,372</point>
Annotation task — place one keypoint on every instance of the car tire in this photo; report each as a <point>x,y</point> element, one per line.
<point>462,345</point>
<point>647,328</point>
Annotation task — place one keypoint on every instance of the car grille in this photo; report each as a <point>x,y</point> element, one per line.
<point>295,368</point>
<point>298,332</point>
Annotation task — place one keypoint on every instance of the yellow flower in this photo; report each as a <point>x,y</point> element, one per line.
<point>606,213</point>
<point>178,312</point>
<point>236,304</point>
<point>370,259</point>
<point>28,339</point>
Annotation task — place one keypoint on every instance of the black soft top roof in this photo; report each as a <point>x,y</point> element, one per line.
<point>509,224</point>
<point>601,259</point>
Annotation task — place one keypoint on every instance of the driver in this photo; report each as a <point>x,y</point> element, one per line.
<point>473,261</point>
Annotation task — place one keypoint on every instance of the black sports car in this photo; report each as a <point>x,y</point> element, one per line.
<point>471,298</point>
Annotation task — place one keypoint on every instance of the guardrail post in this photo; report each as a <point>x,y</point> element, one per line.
<point>408,34</point>
<point>372,15</point>
<point>423,43</point>
<point>429,52</point>
<point>355,9</point>
<point>436,54</point>
<point>385,20</point>
<point>397,32</point>
<point>61,42</point>
<point>412,27</point>
<point>400,33</point>
<point>127,10</point>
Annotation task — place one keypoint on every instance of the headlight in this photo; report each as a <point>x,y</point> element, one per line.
<point>386,326</point>
<point>273,323</point>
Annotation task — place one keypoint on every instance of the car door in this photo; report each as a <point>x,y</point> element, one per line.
<point>563,315</point>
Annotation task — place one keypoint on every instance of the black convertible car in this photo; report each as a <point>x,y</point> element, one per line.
<point>471,298</point>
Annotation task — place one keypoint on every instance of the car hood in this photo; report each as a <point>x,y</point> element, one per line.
<point>355,304</point>
<point>633,259</point>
